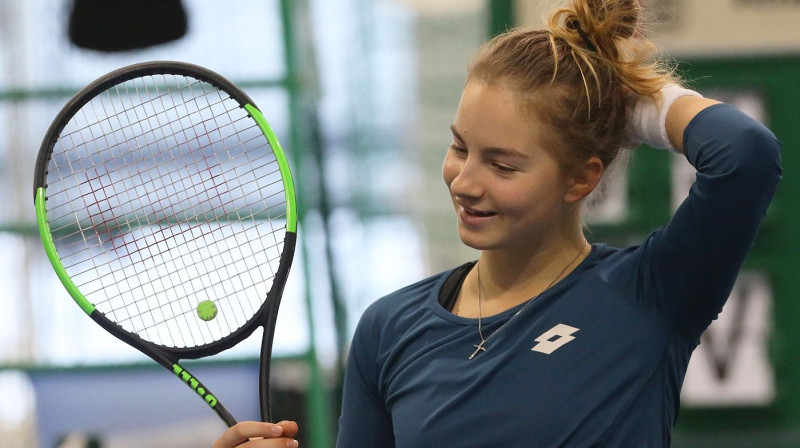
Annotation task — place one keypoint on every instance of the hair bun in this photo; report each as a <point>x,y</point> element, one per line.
<point>597,25</point>
<point>622,16</point>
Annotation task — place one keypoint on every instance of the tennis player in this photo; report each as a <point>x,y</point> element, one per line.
<point>547,340</point>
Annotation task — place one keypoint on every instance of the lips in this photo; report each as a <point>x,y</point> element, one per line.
<point>478,213</point>
<point>471,216</point>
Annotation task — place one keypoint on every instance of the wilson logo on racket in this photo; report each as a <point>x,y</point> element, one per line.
<point>194,384</point>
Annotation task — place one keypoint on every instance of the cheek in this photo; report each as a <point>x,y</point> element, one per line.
<point>515,202</point>
<point>527,200</point>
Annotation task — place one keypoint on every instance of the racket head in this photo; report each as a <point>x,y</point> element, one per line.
<point>166,207</point>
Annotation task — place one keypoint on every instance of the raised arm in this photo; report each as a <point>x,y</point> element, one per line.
<point>680,113</point>
<point>692,263</point>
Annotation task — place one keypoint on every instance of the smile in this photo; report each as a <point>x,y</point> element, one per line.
<point>478,213</point>
<point>470,212</point>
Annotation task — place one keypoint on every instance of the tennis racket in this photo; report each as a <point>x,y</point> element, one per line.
<point>166,207</point>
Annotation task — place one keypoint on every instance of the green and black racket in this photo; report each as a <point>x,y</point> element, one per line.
<point>167,209</point>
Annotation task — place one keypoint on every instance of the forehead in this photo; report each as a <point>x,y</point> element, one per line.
<point>495,112</point>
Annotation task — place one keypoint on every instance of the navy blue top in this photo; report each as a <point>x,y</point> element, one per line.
<point>596,361</point>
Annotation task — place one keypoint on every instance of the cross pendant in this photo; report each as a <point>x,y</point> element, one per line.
<point>479,348</point>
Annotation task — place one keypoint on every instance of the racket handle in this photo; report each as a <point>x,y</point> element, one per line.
<point>169,364</point>
<point>263,374</point>
<point>203,392</point>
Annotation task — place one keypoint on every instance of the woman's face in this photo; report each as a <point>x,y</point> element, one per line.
<point>507,190</point>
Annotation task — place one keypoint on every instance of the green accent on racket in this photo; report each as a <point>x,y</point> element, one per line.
<point>283,164</point>
<point>49,248</point>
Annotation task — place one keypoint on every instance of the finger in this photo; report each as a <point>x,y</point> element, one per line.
<point>244,431</point>
<point>290,428</point>
<point>281,442</point>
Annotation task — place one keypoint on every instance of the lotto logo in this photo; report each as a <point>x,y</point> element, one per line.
<point>554,338</point>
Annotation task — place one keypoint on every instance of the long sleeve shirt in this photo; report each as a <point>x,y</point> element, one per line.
<point>597,360</point>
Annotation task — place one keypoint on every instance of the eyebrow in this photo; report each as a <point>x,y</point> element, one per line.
<point>508,151</point>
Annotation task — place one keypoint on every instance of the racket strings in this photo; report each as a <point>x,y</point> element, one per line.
<point>169,196</point>
<point>226,265</point>
<point>188,219</point>
<point>164,265</point>
<point>191,311</point>
<point>206,220</point>
<point>111,147</point>
<point>126,225</point>
<point>124,112</point>
<point>139,173</point>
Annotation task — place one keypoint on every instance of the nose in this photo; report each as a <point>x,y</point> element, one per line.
<point>463,177</point>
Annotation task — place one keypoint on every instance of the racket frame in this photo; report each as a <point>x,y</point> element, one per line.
<point>265,317</point>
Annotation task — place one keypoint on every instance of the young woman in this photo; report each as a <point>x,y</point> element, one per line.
<point>547,340</point>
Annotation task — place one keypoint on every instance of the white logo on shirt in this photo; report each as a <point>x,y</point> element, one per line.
<point>562,334</point>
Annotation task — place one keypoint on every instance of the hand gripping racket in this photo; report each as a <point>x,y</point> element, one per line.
<point>167,209</point>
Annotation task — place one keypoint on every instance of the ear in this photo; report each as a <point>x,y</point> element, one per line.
<point>584,180</point>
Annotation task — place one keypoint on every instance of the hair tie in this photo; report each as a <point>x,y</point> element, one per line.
<point>574,24</point>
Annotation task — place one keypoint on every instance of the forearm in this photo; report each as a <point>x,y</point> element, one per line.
<point>682,111</point>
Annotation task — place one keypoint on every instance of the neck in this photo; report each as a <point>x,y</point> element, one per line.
<point>509,279</point>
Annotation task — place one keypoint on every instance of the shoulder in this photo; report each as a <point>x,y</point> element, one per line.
<point>606,259</point>
<point>622,269</point>
<point>628,265</point>
<point>408,302</point>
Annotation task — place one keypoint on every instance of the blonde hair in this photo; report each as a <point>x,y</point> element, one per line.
<point>579,75</point>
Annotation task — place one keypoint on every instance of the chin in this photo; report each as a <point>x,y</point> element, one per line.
<point>475,242</point>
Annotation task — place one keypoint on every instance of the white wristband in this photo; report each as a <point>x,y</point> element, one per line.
<point>648,119</point>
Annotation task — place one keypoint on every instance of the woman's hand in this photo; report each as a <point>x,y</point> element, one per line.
<point>259,435</point>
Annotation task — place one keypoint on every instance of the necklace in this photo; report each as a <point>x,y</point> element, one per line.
<point>480,347</point>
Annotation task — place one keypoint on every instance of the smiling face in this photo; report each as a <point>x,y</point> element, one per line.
<point>507,189</point>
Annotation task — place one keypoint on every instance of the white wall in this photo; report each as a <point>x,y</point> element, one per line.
<point>709,27</point>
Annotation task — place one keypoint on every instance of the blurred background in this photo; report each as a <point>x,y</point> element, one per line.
<point>361,94</point>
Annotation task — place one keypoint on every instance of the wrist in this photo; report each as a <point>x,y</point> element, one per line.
<point>647,122</point>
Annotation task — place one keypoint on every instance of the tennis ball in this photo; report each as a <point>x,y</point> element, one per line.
<point>207,310</point>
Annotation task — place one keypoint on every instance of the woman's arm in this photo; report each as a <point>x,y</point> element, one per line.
<point>680,113</point>
<point>690,266</point>
<point>365,420</point>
